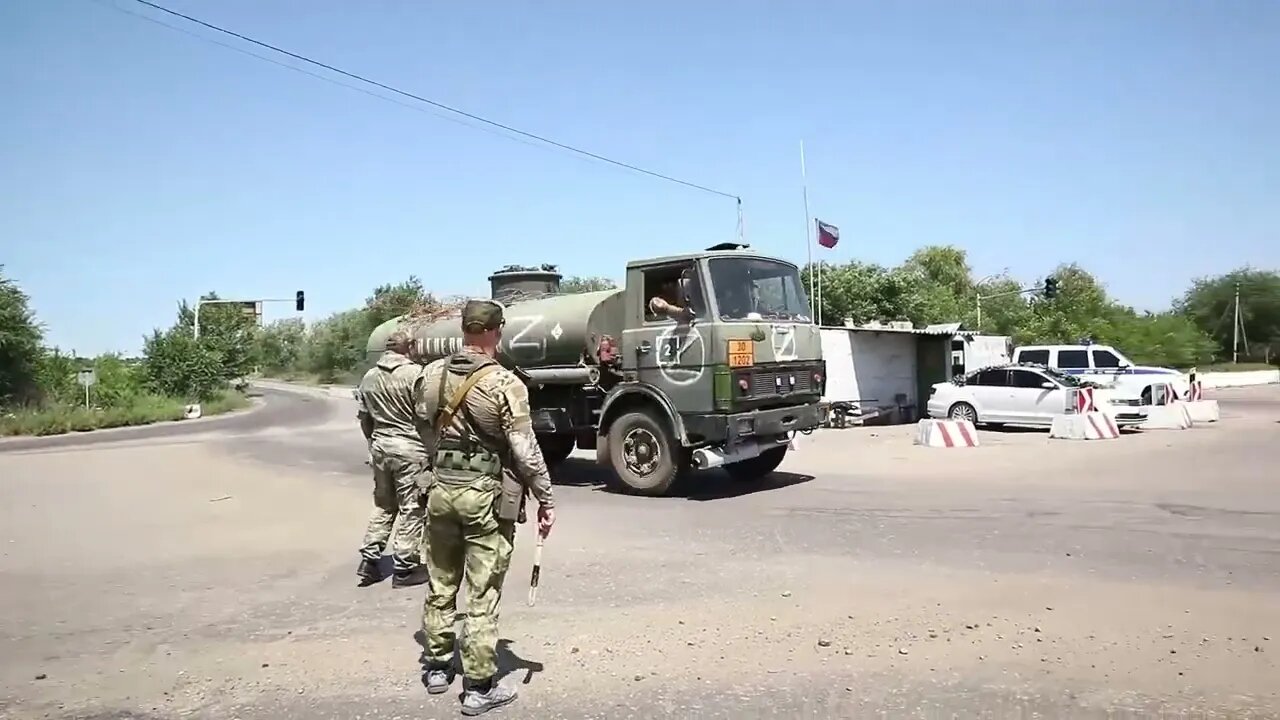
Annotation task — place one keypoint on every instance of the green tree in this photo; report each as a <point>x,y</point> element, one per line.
<point>20,344</point>
<point>944,285</point>
<point>862,292</point>
<point>1167,338</point>
<point>582,284</point>
<point>1210,304</point>
<point>281,345</point>
<point>336,345</point>
<point>389,301</point>
<point>177,364</point>
<point>1005,310</point>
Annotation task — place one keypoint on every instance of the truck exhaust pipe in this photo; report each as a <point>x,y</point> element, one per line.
<point>713,457</point>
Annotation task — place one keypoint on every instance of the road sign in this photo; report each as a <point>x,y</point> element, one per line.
<point>87,377</point>
<point>253,309</point>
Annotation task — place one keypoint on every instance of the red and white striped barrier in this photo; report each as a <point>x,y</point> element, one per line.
<point>1092,425</point>
<point>1165,412</point>
<point>1196,391</point>
<point>946,433</point>
<point>1201,410</point>
<point>1081,400</point>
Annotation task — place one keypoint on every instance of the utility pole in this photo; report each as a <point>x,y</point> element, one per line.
<point>1235,329</point>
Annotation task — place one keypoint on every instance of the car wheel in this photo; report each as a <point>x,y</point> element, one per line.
<point>963,411</point>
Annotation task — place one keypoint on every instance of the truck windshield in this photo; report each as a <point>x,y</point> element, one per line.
<point>754,288</point>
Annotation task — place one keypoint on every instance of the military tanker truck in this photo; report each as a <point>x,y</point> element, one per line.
<point>726,383</point>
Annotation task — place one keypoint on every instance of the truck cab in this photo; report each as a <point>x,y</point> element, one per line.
<point>1105,365</point>
<point>725,381</point>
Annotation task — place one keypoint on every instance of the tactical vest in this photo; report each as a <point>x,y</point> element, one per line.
<point>462,455</point>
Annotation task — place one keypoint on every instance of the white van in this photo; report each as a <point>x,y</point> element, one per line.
<point>1105,365</point>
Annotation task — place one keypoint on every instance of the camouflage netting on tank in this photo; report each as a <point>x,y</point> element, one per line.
<point>434,309</point>
<point>515,296</point>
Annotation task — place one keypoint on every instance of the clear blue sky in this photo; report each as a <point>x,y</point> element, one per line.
<point>139,165</point>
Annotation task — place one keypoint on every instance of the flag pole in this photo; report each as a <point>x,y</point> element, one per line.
<point>808,242</point>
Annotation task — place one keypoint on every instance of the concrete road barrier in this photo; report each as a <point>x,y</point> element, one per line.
<point>1168,417</point>
<point>1093,425</point>
<point>1239,379</point>
<point>946,433</point>
<point>1203,411</point>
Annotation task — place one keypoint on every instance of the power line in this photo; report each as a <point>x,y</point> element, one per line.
<point>318,76</point>
<point>433,103</point>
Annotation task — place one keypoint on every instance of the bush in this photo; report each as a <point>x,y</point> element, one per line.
<point>177,366</point>
<point>20,350</point>
<point>142,409</point>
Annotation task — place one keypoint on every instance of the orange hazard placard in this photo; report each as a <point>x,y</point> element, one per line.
<point>742,353</point>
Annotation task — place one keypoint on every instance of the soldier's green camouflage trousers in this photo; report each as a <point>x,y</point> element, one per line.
<point>467,542</point>
<point>396,494</point>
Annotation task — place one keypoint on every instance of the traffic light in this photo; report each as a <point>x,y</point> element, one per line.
<point>1050,288</point>
<point>299,302</point>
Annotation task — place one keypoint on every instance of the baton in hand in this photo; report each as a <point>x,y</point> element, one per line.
<point>537,570</point>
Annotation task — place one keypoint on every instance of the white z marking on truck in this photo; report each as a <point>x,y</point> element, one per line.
<point>526,341</point>
<point>784,344</point>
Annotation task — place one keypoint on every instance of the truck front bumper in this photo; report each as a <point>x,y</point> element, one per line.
<point>765,425</point>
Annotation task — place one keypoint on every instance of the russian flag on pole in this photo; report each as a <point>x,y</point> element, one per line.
<point>828,235</point>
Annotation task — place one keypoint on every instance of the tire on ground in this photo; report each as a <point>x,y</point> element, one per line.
<point>555,448</point>
<point>757,467</point>
<point>671,461</point>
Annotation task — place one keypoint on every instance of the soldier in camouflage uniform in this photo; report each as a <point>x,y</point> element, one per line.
<point>399,460</point>
<point>485,459</point>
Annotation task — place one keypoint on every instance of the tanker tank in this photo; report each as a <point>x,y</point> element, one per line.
<point>545,334</point>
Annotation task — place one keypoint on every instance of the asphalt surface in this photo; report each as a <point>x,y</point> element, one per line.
<point>273,408</point>
<point>211,574</point>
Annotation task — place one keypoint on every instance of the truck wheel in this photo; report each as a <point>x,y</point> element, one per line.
<point>555,448</point>
<point>758,466</point>
<point>644,454</point>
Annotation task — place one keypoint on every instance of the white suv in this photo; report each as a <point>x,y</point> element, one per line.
<point>1104,365</point>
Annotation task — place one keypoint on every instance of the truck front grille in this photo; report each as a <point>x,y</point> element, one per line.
<point>781,382</point>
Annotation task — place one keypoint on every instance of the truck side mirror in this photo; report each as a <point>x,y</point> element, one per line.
<point>687,296</point>
<point>686,290</point>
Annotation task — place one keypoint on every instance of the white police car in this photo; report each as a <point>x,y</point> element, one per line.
<point>1104,365</point>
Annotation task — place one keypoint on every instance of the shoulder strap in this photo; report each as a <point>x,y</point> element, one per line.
<point>445,414</point>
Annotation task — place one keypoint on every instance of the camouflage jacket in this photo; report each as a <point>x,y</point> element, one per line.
<point>495,413</point>
<point>386,395</point>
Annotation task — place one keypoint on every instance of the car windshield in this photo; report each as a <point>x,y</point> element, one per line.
<point>758,289</point>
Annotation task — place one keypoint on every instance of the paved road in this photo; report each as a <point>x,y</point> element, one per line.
<point>213,575</point>
<point>274,408</point>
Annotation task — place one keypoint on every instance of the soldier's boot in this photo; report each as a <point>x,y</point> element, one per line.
<point>480,699</point>
<point>369,572</point>
<point>408,577</point>
<point>439,679</point>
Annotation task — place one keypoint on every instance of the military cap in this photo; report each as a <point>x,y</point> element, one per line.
<point>481,315</point>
